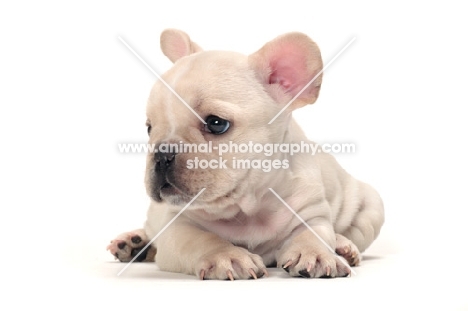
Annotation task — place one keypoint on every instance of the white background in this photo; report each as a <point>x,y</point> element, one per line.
<point>70,92</point>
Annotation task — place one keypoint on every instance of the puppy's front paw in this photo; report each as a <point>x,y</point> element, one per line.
<point>231,263</point>
<point>127,245</point>
<point>309,262</point>
<point>347,249</point>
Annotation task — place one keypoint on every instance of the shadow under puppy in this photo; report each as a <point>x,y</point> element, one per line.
<point>237,226</point>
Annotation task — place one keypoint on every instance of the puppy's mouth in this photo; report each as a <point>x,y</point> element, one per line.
<point>167,189</point>
<point>164,190</point>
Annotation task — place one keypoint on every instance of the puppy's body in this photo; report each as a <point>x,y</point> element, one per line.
<point>237,224</point>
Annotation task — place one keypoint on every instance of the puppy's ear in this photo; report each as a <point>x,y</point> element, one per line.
<point>176,44</point>
<point>286,65</point>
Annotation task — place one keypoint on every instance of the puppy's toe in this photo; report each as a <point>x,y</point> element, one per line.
<point>308,262</point>
<point>348,250</point>
<point>232,263</point>
<point>128,245</point>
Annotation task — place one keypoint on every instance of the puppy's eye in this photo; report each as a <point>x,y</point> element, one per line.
<point>149,129</point>
<point>216,125</point>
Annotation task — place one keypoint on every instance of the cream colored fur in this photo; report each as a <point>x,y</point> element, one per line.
<point>237,226</point>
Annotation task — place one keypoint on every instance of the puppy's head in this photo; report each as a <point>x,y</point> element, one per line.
<point>215,97</point>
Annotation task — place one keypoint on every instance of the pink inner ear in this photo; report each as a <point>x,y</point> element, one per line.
<point>288,69</point>
<point>180,48</point>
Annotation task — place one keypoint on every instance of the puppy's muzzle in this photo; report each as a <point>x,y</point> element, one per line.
<point>163,178</point>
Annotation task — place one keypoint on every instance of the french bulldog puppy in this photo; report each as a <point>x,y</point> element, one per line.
<point>237,226</point>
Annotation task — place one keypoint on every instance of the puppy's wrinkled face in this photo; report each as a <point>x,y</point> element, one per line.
<point>225,92</point>
<point>236,96</point>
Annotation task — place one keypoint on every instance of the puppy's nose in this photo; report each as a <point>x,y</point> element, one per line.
<point>164,159</point>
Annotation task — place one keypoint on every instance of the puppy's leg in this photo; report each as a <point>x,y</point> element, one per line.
<point>347,249</point>
<point>367,220</point>
<point>185,248</point>
<point>305,255</point>
<point>127,245</point>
